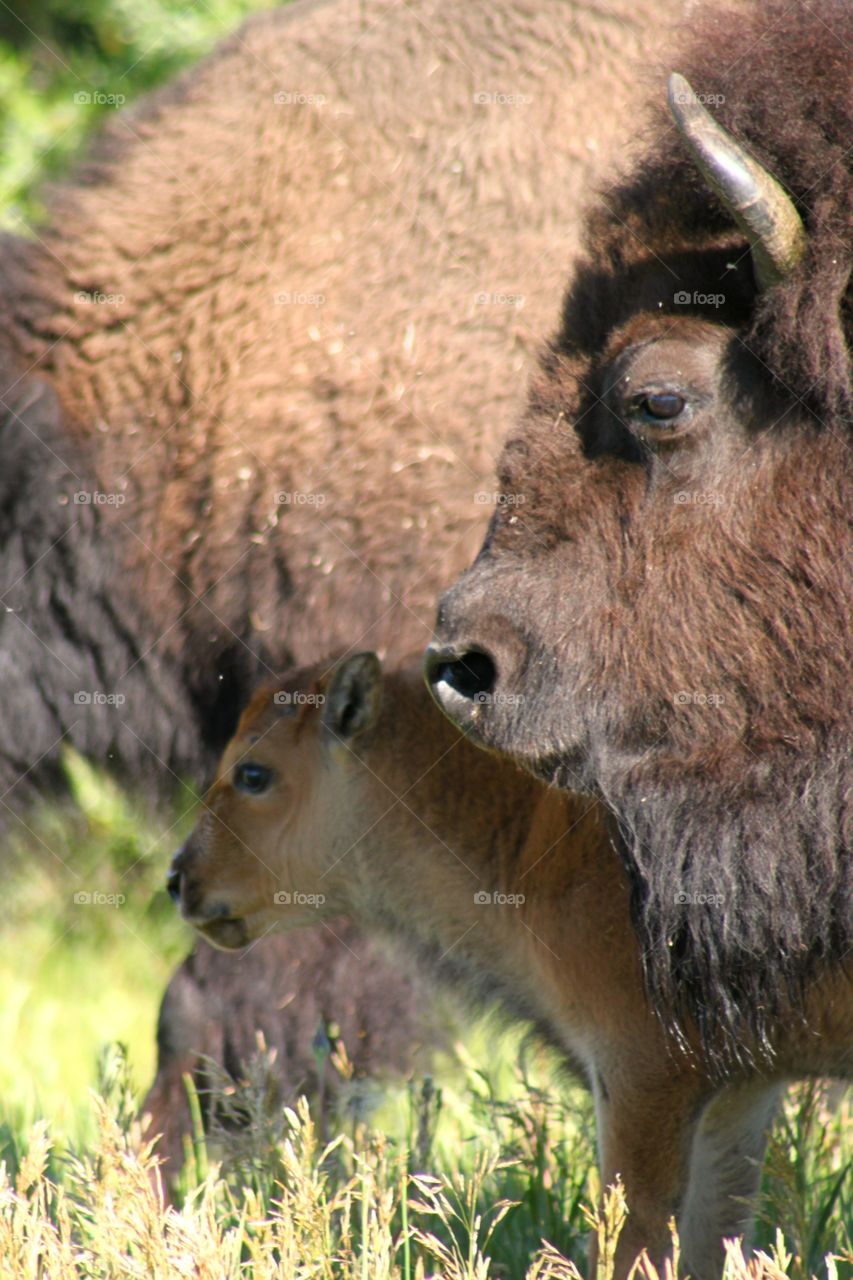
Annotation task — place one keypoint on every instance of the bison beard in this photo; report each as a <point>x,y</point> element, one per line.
<point>763,901</point>
<point>598,596</point>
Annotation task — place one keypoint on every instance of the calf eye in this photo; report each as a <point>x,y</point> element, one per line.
<point>662,406</point>
<point>252,778</point>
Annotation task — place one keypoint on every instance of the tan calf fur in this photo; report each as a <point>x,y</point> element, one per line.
<point>345,790</point>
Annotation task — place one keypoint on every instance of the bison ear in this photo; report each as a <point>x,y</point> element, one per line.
<point>353,696</point>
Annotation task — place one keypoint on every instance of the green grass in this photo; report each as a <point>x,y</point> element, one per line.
<point>362,1207</point>
<point>78,974</point>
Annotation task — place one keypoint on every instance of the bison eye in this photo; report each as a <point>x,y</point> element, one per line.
<point>661,406</point>
<point>252,778</point>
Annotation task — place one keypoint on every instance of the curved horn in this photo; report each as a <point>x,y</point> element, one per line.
<point>760,206</point>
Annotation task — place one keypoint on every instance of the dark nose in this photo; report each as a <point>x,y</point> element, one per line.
<point>173,879</point>
<point>459,679</point>
<point>173,884</point>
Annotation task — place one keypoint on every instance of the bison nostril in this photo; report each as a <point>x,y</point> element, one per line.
<point>469,674</point>
<point>173,884</point>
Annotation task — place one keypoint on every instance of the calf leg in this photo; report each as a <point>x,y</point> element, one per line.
<point>645,1132</point>
<point>724,1174</point>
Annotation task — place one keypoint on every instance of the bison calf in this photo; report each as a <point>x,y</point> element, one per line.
<point>337,796</point>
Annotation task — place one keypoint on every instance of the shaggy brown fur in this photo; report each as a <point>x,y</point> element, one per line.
<point>328,981</point>
<point>661,609</point>
<point>340,794</point>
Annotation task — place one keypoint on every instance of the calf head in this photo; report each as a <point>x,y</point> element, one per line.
<point>279,817</point>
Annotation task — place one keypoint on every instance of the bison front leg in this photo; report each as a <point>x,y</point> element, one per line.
<point>645,1131</point>
<point>725,1170</point>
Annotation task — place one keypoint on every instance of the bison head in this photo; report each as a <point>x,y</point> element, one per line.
<point>278,819</point>
<point>660,610</point>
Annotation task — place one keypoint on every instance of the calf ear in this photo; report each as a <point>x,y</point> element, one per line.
<point>353,696</point>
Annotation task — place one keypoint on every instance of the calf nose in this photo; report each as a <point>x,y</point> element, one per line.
<point>173,879</point>
<point>459,678</point>
<point>173,884</point>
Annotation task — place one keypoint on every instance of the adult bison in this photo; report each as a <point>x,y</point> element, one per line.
<point>239,367</point>
<point>661,607</point>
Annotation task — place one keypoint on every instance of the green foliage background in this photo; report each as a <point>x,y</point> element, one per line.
<point>52,50</point>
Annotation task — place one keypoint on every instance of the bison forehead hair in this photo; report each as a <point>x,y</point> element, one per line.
<point>777,77</point>
<point>661,609</point>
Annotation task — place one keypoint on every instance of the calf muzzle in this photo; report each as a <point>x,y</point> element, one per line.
<point>176,870</point>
